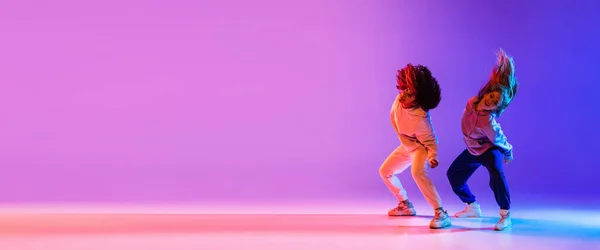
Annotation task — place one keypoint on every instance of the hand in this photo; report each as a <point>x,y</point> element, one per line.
<point>507,161</point>
<point>433,163</point>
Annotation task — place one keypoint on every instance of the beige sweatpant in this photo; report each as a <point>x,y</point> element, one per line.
<point>398,161</point>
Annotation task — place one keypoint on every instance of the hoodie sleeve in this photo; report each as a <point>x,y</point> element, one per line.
<point>426,135</point>
<point>494,133</point>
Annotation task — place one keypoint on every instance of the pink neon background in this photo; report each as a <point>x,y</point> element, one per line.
<point>271,101</point>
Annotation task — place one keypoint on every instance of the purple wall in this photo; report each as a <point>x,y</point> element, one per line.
<point>268,100</point>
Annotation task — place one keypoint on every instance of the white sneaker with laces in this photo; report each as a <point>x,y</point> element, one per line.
<point>505,223</point>
<point>472,210</point>
<point>404,208</point>
<point>440,219</point>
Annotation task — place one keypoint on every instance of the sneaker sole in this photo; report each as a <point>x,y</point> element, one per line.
<point>505,229</point>
<point>443,226</point>
<point>471,216</point>
<point>400,215</point>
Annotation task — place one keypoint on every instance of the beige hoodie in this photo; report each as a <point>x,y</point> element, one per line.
<point>414,129</point>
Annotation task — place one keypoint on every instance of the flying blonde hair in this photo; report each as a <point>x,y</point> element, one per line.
<point>502,80</point>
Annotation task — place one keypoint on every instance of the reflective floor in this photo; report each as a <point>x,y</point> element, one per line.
<point>309,227</point>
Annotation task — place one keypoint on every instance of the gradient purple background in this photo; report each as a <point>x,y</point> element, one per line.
<point>198,101</point>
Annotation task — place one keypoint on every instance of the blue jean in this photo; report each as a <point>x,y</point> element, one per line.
<point>465,165</point>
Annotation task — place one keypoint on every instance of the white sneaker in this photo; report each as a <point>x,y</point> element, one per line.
<point>472,210</point>
<point>440,220</point>
<point>404,208</point>
<point>505,223</point>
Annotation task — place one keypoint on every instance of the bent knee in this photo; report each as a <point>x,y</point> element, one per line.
<point>385,173</point>
<point>495,171</point>
<point>495,174</point>
<point>419,173</point>
<point>449,173</point>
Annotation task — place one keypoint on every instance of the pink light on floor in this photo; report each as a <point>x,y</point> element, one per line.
<point>308,229</point>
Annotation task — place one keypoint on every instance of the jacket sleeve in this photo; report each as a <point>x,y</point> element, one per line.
<point>426,135</point>
<point>494,133</point>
